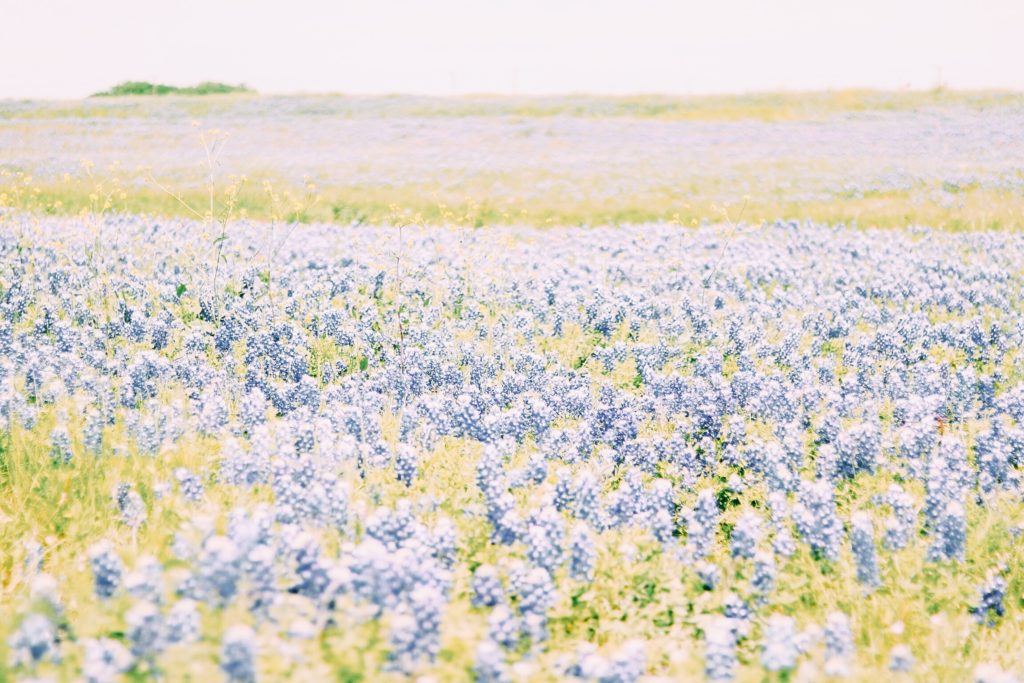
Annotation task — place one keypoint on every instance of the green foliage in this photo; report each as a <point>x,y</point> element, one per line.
<point>128,88</point>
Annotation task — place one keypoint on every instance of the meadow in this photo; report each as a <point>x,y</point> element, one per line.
<point>946,160</point>
<point>511,389</point>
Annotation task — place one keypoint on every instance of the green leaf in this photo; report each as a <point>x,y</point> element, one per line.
<point>364,363</point>
<point>665,619</point>
<point>180,289</point>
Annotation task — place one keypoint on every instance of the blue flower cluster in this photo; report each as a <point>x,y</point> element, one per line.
<point>548,455</point>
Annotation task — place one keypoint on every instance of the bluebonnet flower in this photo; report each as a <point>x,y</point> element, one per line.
<point>709,573</point>
<point>857,449</point>
<point>763,579</point>
<point>702,525</point>
<point>816,520</point>
<point>145,630</point>
<point>582,554</point>
<point>489,665</point>
<point>92,431</point>
<point>504,627</point>
<point>148,435</point>
<point>746,535</point>
<point>536,592</point>
<point>311,571</point>
<point>948,478</point>
<point>587,499</point>
<point>949,532</point>
<point>392,527</point>
<point>107,569</point>
<point>535,628</point>
<point>903,522</point>
<point>260,572</point>
<point>406,464</point>
<point>182,624</point>
<point>443,542</point>
<point>627,665</point>
<point>241,468</point>
<point>780,648</point>
<point>490,468</point>
<point>416,636</point>
<point>663,527</point>
<point>217,570</point>
<point>993,454</point>
<point>252,411</point>
<point>105,660</point>
<point>545,539</point>
<point>191,486</point>
<point>28,414</point>
<point>129,505</point>
<point>487,588</point>
<point>44,589</point>
<point>989,608</point>
<point>508,526</point>
<point>376,579</point>
<point>34,556</point>
<point>213,411</point>
<point>720,650</point>
<point>303,438</point>
<point>839,647</point>
<point>238,654</point>
<point>736,609</point>
<point>34,641</point>
<point>145,582</point>
<point>161,489</point>
<point>662,497</point>
<point>901,659</point>
<point>862,539</point>
<point>60,445</point>
<point>588,664</point>
<point>783,543</point>
<point>537,468</point>
<point>564,493</point>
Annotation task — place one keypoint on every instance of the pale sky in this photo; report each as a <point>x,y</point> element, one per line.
<point>70,48</point>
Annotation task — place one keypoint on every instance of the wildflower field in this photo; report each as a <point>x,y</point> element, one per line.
<point>328,389</point>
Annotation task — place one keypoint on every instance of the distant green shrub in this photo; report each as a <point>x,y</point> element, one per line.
<point>147,88</point>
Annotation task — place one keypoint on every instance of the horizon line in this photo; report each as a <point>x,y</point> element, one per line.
<point>782,91</point>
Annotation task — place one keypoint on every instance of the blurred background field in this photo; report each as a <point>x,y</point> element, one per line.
<point>940,158</point>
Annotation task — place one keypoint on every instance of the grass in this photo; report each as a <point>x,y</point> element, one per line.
<point>211,98</point>
<point>796,188</point>
<point>474,204</point>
